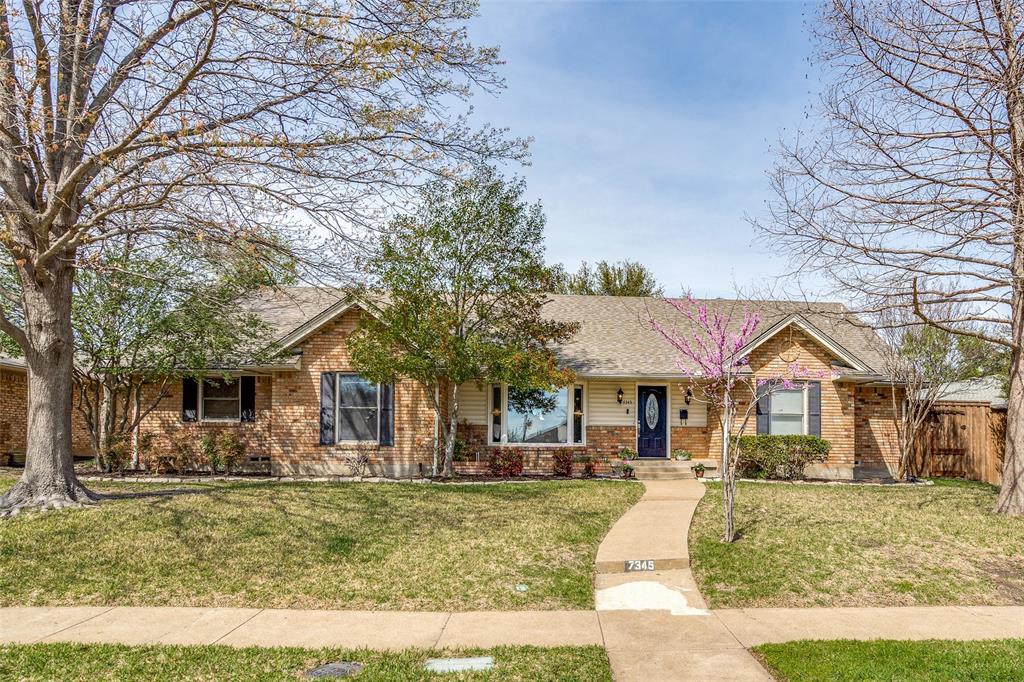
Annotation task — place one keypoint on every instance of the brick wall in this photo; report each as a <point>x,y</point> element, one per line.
<point>14,418</point>
<point>877,443</point>
<point>165,425</point>
<point>13,412</point>
<point>603,443</point>
<point>295,414</point>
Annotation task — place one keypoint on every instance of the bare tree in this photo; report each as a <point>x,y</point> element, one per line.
<point>911,191</point>
<point>920,361</point>
<point>211,117</point>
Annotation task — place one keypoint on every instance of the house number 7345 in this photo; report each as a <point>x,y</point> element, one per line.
<point>639,565</point>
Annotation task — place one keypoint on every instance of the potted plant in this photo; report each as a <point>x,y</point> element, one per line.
<point>698,470</point>
<point>628,471</point>
<point>628,454</point>
<point>682,455</point>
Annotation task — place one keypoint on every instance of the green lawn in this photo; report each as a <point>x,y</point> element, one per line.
<point>934,660</point>
<point>813,545</point>
<point>317,545</point>
<point>144,663</point>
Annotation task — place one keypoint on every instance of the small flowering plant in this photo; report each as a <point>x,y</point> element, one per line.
<point>713,352</point>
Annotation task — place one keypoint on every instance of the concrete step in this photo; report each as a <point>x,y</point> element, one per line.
<point>668,469</point>
<point>644,475</point>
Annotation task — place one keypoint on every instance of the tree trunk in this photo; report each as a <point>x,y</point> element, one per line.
<point>1011,493</point>
<point>137,406</point>
<point>450,437</point>
<point>49,478</point>
<point>104,417</point>
<point>728,481</point>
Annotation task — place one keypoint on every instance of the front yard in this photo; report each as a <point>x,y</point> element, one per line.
<point>886,661</point>
<point>814,545</point>
<point>217,663</point>
<point>317,545</point>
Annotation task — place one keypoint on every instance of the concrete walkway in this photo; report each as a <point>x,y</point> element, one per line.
<point>287,627</point>
<point>656,625</point>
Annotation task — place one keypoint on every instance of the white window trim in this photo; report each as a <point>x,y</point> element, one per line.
<point>219,420</point>
<point>337,412</point>
<point>805,422</point>
<point>569,431</point>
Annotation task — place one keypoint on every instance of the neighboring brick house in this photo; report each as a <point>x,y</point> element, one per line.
<point>14,415</point>
<point>310,413</point>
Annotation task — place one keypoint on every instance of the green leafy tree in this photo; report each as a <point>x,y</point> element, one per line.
<point>463,283</point>
<point>983,358</point>
<point>144,317</point>
<point>624,278</point>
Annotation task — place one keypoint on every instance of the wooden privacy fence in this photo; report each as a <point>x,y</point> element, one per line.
<point>963,440</point>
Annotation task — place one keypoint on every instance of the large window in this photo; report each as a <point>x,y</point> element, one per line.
<point>787,412</point>
<point>530,416</point>
<point>221,400</point>
<point>358,409</point>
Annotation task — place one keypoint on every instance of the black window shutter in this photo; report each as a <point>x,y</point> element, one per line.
<point>387,414</point>
<point>248,399</point>
<point>189,400</point>
<point>814,408</point>
<point>764,406</point>
<point>327,408</point>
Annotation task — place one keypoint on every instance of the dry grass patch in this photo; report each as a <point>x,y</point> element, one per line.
<point>804,545</point>
<point>317,545</point>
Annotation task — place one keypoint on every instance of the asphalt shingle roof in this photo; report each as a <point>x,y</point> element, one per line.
<point>615,338</point>
<point>981,390</point>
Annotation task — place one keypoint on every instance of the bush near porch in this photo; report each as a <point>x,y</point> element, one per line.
<point>316,545</point>
<point>779,457</point>
<point>858,545</point>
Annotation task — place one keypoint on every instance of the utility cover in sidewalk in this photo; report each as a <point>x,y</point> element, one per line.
<point>645,595</point>
<point>336,669</point>
<point>458,665</point>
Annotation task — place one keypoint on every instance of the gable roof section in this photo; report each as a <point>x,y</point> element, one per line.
<point>823,339</point>
<point>615,339</point>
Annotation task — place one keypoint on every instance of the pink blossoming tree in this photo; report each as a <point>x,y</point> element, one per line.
<point>713,353</point>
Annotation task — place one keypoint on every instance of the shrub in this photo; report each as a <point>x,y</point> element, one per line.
<point>506,462</point>
<point>358,463</point>
<point>562,462</point>
<point>461,453</point>
<point>208,457</point>
<point>588,465</point>
<point>183,456</point>
<point>230,450</point>
<point>779,457</point>
<point>119,453</point>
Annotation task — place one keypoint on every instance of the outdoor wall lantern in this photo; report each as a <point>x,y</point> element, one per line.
<point>618,396</point>
<point>689,396</point>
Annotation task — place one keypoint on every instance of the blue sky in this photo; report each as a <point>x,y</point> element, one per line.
<point>652,123</point>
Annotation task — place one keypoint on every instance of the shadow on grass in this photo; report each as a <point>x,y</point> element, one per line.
<point>174,492</point>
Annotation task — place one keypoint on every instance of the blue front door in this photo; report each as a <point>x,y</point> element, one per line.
<point>653,420</point>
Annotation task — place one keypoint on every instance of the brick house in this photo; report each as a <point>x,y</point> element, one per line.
<point>311,412</point>
<point>308,414</point>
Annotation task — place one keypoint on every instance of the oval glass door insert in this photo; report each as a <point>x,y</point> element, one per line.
<point>651,411</point>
